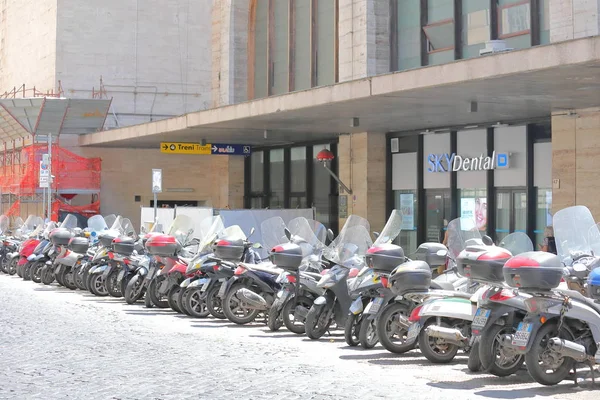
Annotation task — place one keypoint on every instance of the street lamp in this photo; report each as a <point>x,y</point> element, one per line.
<point>325,156</point>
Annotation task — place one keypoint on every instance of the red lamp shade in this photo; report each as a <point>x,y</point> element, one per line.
<point>325,155</point>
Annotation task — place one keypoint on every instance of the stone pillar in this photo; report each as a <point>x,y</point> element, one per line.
<point>573,19</point>
<point>575,162</point>
<point>227,181</point>
<point>364,40</point>
<point>361,165</point>
<point>230,51</point>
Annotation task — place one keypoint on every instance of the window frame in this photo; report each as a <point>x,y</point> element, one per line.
<point>514,34</point>
<point>446,21</point>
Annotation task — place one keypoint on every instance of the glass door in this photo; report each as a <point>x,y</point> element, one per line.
<point>437,214</point>
<point>511,212</point>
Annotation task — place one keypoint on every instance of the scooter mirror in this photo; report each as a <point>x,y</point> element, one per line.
<point>487,240</point>
<point>288,234</point>
<point>330,234</point>
<point>251,232</point>
<point>257,246</point>
<point>376,234</point>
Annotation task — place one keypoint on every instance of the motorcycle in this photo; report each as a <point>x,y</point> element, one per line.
<point>346,252</point>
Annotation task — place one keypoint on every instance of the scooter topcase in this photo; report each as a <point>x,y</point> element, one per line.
<point>287,256</point>
<point>483,263</point>
<point>163,246</point>
<point>79,245</point>
<point>593,282</point>
<point>123,245</point>
<point>533,270</point>
<point>60,236</point>
<point>428,252</point>
<point>412,276</point>
<point>229,249</point>
<point>384,257</point>
<point>106,238</point>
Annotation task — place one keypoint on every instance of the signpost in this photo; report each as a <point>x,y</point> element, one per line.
<point>207,149</point>
<point>45,181</point>
<point>156,187</point>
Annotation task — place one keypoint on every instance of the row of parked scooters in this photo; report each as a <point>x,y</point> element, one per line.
<point>504,305</point>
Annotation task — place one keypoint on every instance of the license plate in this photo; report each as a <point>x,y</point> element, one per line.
<point>413,332</point>
<point>521,337</point>
<point>357,306</point>
<point>374,306</point>
<point>481,317</point>
<point>120,276</point>
<point>222,290</point>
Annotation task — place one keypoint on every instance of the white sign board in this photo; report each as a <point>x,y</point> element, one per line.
<point>157,181</point>
<point>44,175</point>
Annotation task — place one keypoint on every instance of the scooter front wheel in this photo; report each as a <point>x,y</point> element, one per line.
<point>47,275</point>
<point>134,290</point>
<point>274,319</point>
<point>317,321</point>
<point>367,333</point>
<point>352,329</point>
<point>36,272</point>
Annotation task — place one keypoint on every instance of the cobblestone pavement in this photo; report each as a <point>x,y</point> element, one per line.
<point>59,344</point>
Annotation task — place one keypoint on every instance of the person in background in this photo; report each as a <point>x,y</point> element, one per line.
<point>549,244</point>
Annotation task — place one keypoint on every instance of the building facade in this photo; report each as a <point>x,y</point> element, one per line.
<point>440,108</point>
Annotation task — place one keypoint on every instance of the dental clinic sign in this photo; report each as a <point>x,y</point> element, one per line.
<point>454,162</point>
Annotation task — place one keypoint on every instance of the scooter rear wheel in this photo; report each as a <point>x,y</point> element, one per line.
<point>435,350</point>
<point>234,308</point>
<point>391,334</point>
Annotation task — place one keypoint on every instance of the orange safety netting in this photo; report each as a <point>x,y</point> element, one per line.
<point>14,210</point>
<point>72,173</point>
<point>87,211</point>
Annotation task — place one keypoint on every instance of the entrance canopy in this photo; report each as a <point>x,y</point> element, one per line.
<point>502,88</point>
<point>22,118</point>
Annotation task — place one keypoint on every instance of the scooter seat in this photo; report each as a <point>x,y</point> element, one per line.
<point>312,275</point>
<point>442,285</point>
<point>264,267</point>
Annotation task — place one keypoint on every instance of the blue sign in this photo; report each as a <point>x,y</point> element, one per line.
<point>453,162</point>
<point>231,149</point>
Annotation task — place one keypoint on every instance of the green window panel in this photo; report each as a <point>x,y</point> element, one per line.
<point>280,47</point>
<point>409,34</point>
<point>325,42</point>
<point>261,44</point>
<point>302,45</point>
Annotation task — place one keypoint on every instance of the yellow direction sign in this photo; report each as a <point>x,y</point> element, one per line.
<point>185,148</point>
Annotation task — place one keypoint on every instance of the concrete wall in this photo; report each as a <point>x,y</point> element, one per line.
<point>575,162</point>
<point>230,51</point>
<point>27,50</point>
<point>362,168</point>
<point>573,19</point>
<point>364,45</point>
<point>217,180</point>
<point>153,56</point>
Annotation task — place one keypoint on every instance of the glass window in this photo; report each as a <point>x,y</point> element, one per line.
<point>473,204</point>
<point>256,172</point>
<point>440,35</point>
<point>543,215</point>
<point>406,201</point>
<point>440,31</point>
<point>298,178</point>
<point>276,177</point>
<point>476,27</point>
<point>280,48</point>
<point>322,196</point>
<point>261,38</point>
<point>409,34</point>
<point>326,35</point>
<point>514,23</point>
<point>544,21</point>
<point>302,45</point>
<point>511,212</point>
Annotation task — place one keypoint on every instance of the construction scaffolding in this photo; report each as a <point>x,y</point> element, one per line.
<point>30,130</point>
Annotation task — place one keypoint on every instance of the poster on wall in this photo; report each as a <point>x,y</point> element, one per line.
<point>407,210</point>
<point>475,208</point>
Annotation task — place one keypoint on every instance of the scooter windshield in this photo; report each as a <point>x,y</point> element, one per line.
<point>273,232</point>
<point>461,233</point>
<point>352,221</point>
<point>4,222</point>
<point>110,219</point>
<point>97,223</point>
<point>182,228</point>
<point>50,226</point>
<point>517,243</point>
<point>391,230</point>
<point>210,229</point>
<point>70,222</point>
<point>30,223</point>
<point>573,229</point>
<point>352,246</point>
<point>305,229</point>
<point>128,229</point>
<point>233,232</point>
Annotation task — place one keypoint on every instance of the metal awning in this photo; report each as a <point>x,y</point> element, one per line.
<point>23,118</point>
